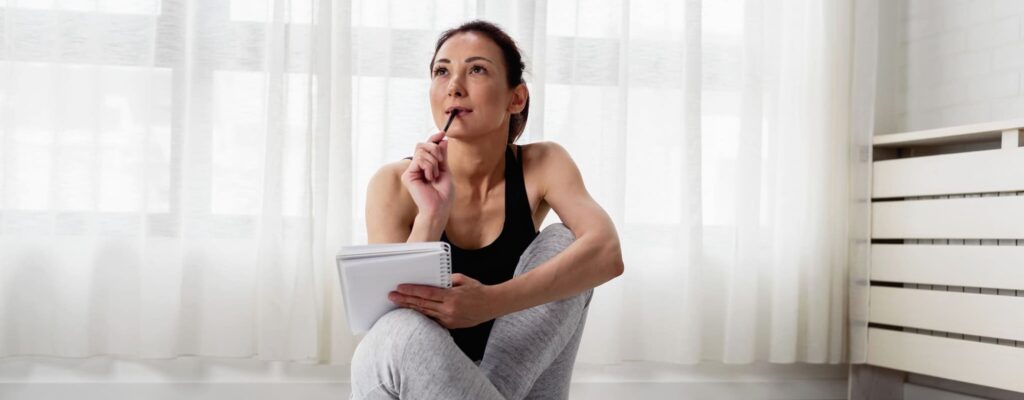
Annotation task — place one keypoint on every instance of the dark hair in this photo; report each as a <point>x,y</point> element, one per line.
<point>513,64</point>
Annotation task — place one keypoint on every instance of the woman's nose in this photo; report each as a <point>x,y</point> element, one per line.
<point>455,88</point>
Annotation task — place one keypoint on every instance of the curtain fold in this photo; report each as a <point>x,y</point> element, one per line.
<point>177,175</point>
<point>864,81</point>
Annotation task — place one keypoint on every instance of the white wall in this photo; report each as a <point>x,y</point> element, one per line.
<point>950,62</point>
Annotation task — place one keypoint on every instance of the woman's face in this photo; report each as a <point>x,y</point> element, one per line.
<point>469,74</point>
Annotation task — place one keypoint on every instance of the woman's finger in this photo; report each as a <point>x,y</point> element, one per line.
<point>443,149</point>
<point>423,304</point>
<point>431,162</point>
<point>418,170</point>
<point>431,313</point>
<point>428,170</point>
<point>436,137</point>
<point>437,150</point>
<point>428,164</point>
<point>428,155</point>
<point>432,148</point>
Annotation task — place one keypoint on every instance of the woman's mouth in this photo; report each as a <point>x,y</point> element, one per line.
<point>460,110</point>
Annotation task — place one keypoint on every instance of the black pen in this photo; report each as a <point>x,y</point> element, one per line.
<point>455,111</point>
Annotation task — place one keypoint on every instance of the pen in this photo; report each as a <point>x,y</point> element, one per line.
<point>450,119</point>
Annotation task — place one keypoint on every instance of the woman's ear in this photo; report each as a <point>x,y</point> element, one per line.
<point>519,95</point>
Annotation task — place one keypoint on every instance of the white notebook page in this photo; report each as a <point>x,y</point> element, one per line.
<point>368,274</point>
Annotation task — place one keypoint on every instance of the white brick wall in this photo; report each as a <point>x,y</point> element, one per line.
<point>956,62</point>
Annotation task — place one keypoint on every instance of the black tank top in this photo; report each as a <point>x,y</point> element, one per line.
<point>496,262</point>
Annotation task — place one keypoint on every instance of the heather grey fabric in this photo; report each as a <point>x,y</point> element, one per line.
<point>530,353</point>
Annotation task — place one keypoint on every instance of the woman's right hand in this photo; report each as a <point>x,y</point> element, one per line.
<point>428,178</point>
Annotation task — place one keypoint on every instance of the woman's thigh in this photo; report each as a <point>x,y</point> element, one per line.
<point>407,355</point>
<point>524,345</point>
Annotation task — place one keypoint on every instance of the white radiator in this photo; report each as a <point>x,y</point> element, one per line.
<point>946,294</point>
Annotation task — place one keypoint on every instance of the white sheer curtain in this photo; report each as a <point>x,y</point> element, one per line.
<point>175,175</point>
<point>160,177</point>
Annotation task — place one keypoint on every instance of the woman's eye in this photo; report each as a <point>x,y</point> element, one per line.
<point>439,71</point>
<point>477,69</point>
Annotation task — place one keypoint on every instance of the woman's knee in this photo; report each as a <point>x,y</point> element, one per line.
<point>393,334</point>
<point>556,236</point>
<point>552,240</point>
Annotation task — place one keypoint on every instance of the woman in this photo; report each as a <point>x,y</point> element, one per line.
<point>510,325</point>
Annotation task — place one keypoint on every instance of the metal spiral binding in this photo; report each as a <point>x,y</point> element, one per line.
<point>446,266</point>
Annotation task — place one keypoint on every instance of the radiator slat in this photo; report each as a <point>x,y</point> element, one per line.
<point>1000,170</point>
<point>974,362</point>
<point>964,313</point>
<point>989,217</point>
<point>953,265</point>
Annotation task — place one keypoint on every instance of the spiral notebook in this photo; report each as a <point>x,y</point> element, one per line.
<point>369,272</point>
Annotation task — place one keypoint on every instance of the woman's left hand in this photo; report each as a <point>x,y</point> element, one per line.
<point>467,303</point>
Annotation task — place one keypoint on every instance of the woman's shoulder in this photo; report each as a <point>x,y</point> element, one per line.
<point>395,168</point>
<point>543,156</point>
<point>386,186</point>
<point>390,174</point>
<point>547,165</point>
<point>543,151</point>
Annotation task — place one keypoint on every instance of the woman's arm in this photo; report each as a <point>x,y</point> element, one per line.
<point>409,201</point>
<point>392,216</point>
<point>390,213</point>
<point>593,259</point>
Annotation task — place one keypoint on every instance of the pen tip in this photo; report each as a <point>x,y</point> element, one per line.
<point>451,118</point>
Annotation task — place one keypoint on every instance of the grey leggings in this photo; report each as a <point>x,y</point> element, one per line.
<point>530,353</point>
